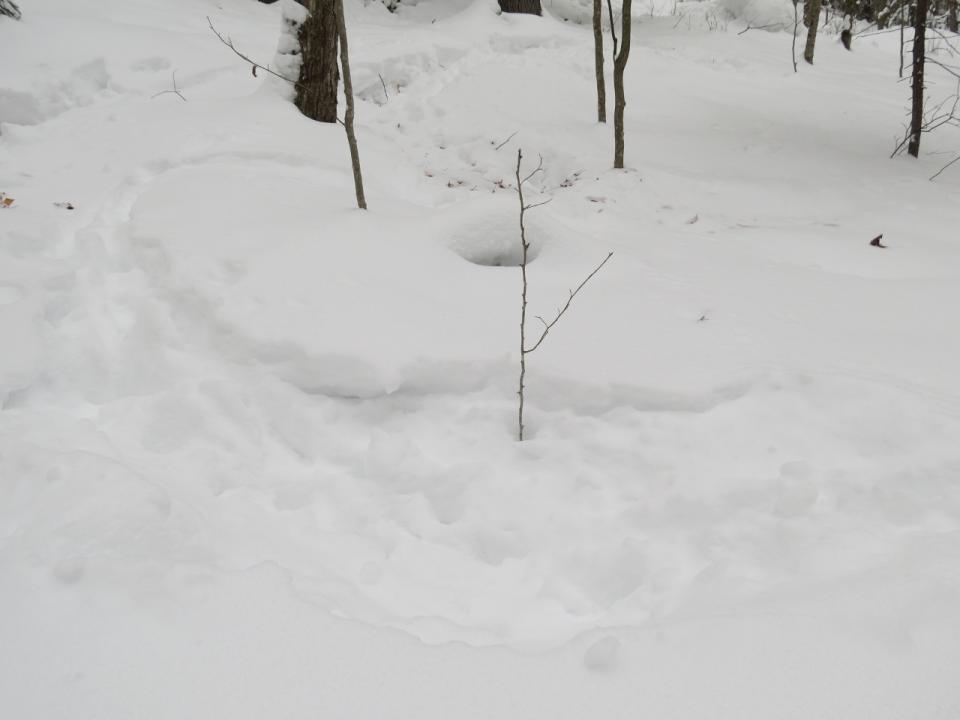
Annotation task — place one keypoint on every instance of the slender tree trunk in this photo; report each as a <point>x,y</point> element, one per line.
<point>619,65</point>
<point>10,9</point>
<point>348,92</point>
<point>531,7</point>
<point>903,22</point>
<point>598,60</point>
<point>952,16</point>
<point>814,6</point>
<point>319,80</point>
<point>793,47</point>
<point>919,56</point>
<point>523,297</point>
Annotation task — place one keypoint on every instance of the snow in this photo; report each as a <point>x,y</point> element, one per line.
<point>257,447</point>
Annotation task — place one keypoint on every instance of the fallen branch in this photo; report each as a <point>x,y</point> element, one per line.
<point>175,91</point>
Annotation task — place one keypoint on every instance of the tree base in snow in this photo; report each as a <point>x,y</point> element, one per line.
<point>531,7</point>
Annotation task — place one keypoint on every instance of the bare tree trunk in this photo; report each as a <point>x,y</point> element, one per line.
<point>814,6</point>
<point>952,16</point>
<point>348,119</point>
<point>619,65</point>
<point>531,7</point>
<point>919,56</point>
<point>523,297</point>
<point>10,9</point>
<point>319,80</point>
<point>903,22</point>
<point>793,47</point>
<point>598,60</point>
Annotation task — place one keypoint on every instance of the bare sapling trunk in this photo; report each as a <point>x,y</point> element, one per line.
<point>530,7</point>
<point>524,259</point>
<point>319,80</point>
<point>793,47</point>
<point>348,118</point>
<point>814,11</point>
<point>903,23</point>
<point>598,60</point>
<point>916,85</point>
<point>619,66</point>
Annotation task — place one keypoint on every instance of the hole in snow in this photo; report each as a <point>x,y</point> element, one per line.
<point>494,253</point>
<point>493,239</point>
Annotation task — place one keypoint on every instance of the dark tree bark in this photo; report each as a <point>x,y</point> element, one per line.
<point>348,119</point>
<point>319,78</point>
<point>619,65</point>
<point>531,7</point>
<point>10,9</point>
<point>814,11</point>
<point>919,56</point>
<point>952,15</point>
<point>598,60</point>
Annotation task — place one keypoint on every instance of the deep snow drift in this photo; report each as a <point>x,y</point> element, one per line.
<point>257,450</point>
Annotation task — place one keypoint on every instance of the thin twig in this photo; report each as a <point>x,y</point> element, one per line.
<point>864,33</point>
<point>953,70</point>
<point>934,176</point>
<point>531,206</point>
<point>758,27</point>
<point>175,91</point>
<point>946,39</point>
<point>228,41</point>
<point>561,311</point>
<point>537,169</point>
<point>613,33</point>
<point>385,93</point>
<point>507,140</point>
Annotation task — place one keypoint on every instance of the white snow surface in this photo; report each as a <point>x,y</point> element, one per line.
<point>257,447</point>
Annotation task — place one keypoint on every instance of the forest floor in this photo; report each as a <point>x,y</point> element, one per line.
<point>257,447</point>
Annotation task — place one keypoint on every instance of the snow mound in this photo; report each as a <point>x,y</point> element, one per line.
<point>771,15</point>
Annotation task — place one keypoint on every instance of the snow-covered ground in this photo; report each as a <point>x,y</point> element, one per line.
<point>257,452</point>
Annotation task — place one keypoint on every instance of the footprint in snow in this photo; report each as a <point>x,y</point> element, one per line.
<point>603,655</point>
